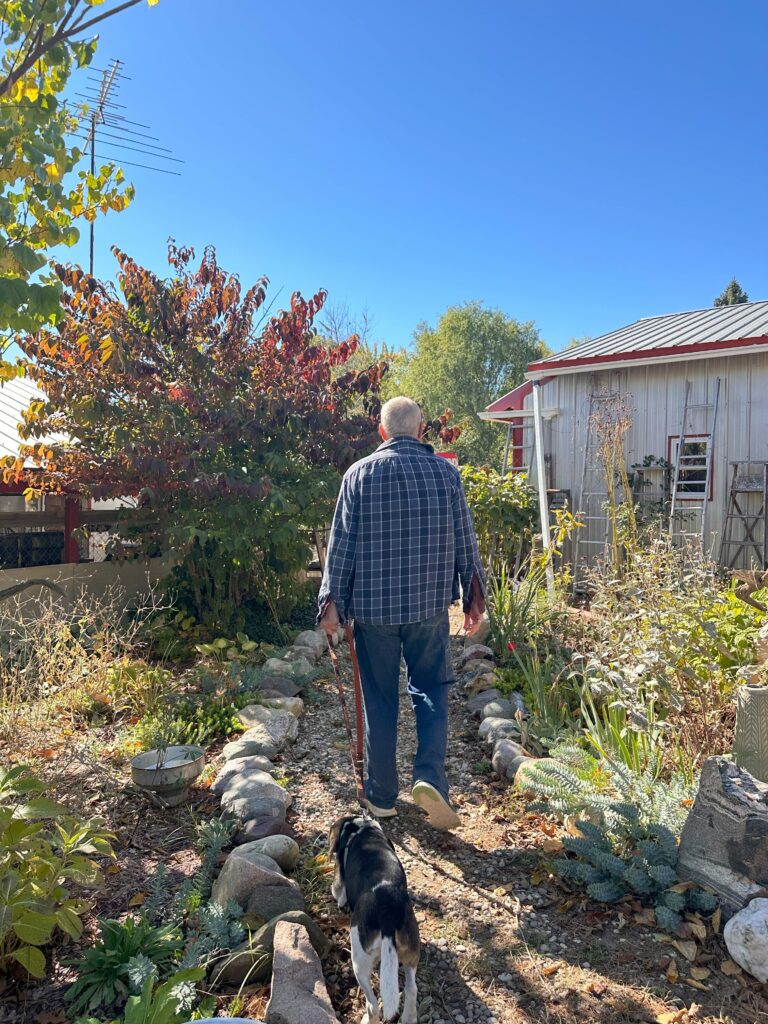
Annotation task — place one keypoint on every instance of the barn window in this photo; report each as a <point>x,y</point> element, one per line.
<point>693,465</point>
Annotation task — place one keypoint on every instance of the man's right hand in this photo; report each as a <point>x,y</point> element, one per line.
<point>472,621</point>
<point>329,620</point>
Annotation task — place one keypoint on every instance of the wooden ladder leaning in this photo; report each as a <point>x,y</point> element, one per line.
<point>747,478</point>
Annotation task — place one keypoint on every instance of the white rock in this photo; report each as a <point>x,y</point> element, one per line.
<point>746,936</point>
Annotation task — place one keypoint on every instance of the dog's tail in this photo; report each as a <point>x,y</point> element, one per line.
<point>388,978</point>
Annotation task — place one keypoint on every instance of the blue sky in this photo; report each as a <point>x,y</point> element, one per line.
<point>579,165</point>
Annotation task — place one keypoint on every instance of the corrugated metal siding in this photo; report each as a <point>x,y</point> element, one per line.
<point>15,396</point>
<point>656,394</point>
<point>701,326</point>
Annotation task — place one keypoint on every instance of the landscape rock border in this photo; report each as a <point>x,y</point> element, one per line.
<point>255,875</point>
<point>499,715</point>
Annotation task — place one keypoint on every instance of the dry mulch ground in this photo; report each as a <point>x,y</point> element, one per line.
<point>502,941</point>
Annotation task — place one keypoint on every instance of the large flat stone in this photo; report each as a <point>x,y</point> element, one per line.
<point>277,667</point>
<point>282,850</point>
<point>269,899</point>
<point>476,703</point>
<point>299,995</point>
<point>254,785</point>
<point>281,726</point>
<point>494,729</point>
<point>238,765</point>
<point>251,962</point>
<point>295,705</point>
<point>246,808</point>
<point>283,685</point>
<point>478,683</point>
<point>475,651</point>
<point>260,828</point>
<point>253,742</point>
<point>724,843</point>
<point>244,874</point>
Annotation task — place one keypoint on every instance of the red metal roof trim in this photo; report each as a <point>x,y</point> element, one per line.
<point>648,354</point>
<point>513,399</point>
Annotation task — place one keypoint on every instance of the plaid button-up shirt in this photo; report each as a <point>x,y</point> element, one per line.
<point>402,538</point>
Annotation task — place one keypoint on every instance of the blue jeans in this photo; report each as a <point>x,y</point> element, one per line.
<point>425,648</point>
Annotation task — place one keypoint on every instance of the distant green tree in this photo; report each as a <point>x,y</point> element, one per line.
<point>732,295</point>
<point>472,357</point>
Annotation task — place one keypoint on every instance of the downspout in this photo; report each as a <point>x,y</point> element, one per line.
<point>542,482</point>
<point>505,461</point>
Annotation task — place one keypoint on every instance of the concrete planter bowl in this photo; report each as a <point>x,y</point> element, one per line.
<point>168,773</point>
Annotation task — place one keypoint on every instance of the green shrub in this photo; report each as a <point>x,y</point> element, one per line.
<point>139,688</point>
<point>643,865</point>
<point>104,973</point>
<point>170,1002</point>
<point>574,783</point>
<point>42,851</point>
<point>504,510</point>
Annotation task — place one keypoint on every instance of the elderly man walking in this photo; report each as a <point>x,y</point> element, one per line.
<point>401,542</point>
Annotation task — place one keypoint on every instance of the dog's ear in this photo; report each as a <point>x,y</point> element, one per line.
<point>333,837</point>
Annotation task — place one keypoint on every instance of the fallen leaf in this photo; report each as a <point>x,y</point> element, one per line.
<point>688,949</point>
<point>552,846</point>
<point>548,829</point>
<point>699,929</point>
<point>715,920</point>
<point>730,968</point>
<point>597,988</point>
<point>137,900</point>
<point>699,986</point>
<point>551,969</point>
<point>670,1017</point>
<point>114,869</point>
<point>672,972</point>
<point>700,973</point>
<point>48,1017</point>
<point>646,917</point>
<point>46,752</point>
<point>538,877</point>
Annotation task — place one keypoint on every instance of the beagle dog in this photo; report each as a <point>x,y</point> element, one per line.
<point>370,881</point>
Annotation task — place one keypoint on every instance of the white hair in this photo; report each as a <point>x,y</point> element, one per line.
<point>401,416</point>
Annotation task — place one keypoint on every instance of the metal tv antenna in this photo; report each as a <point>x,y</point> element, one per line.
<point>107,122</point>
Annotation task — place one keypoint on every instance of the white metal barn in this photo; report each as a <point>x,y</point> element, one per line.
<point>696,386</point>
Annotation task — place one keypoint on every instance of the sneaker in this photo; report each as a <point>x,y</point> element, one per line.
<point>381,812</point>
<point>440,814</point>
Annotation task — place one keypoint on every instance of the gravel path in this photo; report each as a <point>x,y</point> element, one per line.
<point>501,943</point>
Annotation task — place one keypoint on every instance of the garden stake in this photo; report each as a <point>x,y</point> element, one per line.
<point>355,745</point>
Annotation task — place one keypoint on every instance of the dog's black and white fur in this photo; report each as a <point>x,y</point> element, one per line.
<point>370,881</point>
